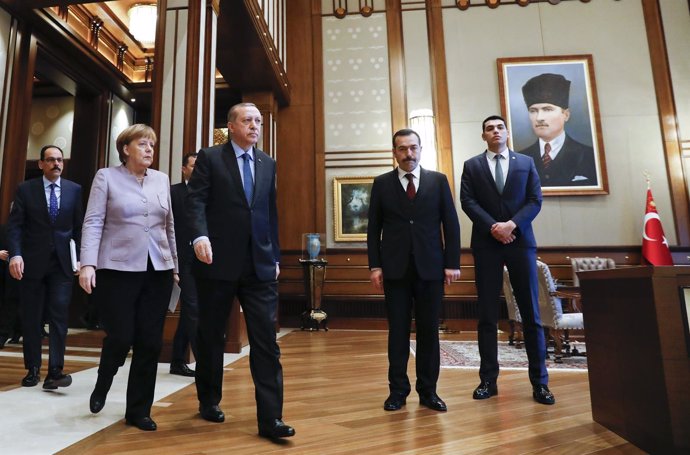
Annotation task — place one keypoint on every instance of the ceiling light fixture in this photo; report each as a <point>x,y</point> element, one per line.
<point>142,22</point>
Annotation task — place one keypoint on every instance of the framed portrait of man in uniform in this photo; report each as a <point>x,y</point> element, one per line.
<point>552,112</point>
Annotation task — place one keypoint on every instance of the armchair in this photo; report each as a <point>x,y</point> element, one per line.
<point>582,264</point>
<point>552,316</point>
<point>514,318</point>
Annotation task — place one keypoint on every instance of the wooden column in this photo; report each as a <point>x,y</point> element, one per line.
<point>23,50</point>
<point>183,95</point>
<point>668,119</point>
<point>439,88</point>
<point>396,65</point>
<point>268,106</point>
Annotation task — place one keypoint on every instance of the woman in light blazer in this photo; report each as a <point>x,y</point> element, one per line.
<point>129,260</point>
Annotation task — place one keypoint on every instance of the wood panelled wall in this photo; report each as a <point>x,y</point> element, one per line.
<point>350,300</point>
<point>348,297</point>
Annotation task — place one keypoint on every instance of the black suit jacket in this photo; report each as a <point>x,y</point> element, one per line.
<point>574,165</point>
<point>520,201</point>
<point>32,236</point>
<point>178,195</point>
<point>427,227</point>
<point>217,208</point>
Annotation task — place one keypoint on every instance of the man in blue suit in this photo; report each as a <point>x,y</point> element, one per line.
<point>413,240</point>
<point>233,223</point>
<point>46,214</point>
<point>501,193</point>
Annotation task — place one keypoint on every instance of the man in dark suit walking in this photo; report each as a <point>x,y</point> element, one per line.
<point>189,308</point>
<point>47,213</point>
<point>232,215</point>
<point>501,193</point>
<point>413,241</point>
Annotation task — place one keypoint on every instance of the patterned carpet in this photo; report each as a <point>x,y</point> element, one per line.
<point>465,354</point>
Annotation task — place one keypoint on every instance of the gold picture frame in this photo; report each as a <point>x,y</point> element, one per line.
<point>351,208</point>
<point>582,168</point>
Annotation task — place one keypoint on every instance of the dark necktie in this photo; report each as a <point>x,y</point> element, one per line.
<point>411,191</point>
<point>546,159</point>
<point>248,179</point>
<point>500,180</point>
<point>53,208</point>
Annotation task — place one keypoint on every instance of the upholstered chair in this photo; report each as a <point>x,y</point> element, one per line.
<point>552,316</point>
<point>514,319</point>
<point>582,264</point>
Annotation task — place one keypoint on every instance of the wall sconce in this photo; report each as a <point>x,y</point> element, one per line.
<point>142,22</point>
<point>422,121</point>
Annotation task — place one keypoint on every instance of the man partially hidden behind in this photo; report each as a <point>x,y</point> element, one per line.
<point>185,335</point>
<point>47,213</point>
<point>413,241</point>
<point>560,159</point>
<point>500,193</point>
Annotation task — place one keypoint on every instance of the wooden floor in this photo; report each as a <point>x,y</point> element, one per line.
<point>335,385</point>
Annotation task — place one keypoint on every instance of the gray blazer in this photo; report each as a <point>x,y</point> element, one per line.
<point>126,224</point>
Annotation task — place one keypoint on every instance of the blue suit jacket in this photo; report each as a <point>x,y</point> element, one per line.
<point>428,226</point>
<point>32,236</point>
<point>217,208</point>
<point>520,201</point>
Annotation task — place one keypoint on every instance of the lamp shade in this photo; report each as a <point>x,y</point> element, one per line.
<point>142,22</point>
<point>422,121</point>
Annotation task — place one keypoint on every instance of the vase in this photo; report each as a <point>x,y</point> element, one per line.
<point>313,245</point>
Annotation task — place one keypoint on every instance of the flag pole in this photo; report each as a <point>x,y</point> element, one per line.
<point>647,177</point>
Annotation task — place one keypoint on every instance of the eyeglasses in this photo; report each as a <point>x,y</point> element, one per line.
<point>53,160</point>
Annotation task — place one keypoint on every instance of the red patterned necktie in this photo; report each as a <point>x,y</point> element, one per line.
<point>546,159</point>
<point>411,191</point>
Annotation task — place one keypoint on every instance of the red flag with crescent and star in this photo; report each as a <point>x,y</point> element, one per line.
<point>655,249</point>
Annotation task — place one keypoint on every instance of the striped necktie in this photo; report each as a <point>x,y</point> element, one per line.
<point>546,159</point>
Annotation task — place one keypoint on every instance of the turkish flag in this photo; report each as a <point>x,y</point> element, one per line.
<point>655,249</point>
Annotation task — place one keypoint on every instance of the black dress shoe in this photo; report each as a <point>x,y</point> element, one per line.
<point>542,394</point>
<point>56,379</point>
<point>181,369</point>
<point>433,401</point>
<point>394,402</point>
<point>276,429</point>
<point>212,413</point>
<point>485,390</point>
<point>3,340</point>
<point>32,377</point>
<point>96,402</point>
<point>143,423</point>
<point>14,339</point>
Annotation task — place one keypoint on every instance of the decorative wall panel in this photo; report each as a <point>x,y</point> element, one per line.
<point>356,83</point>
